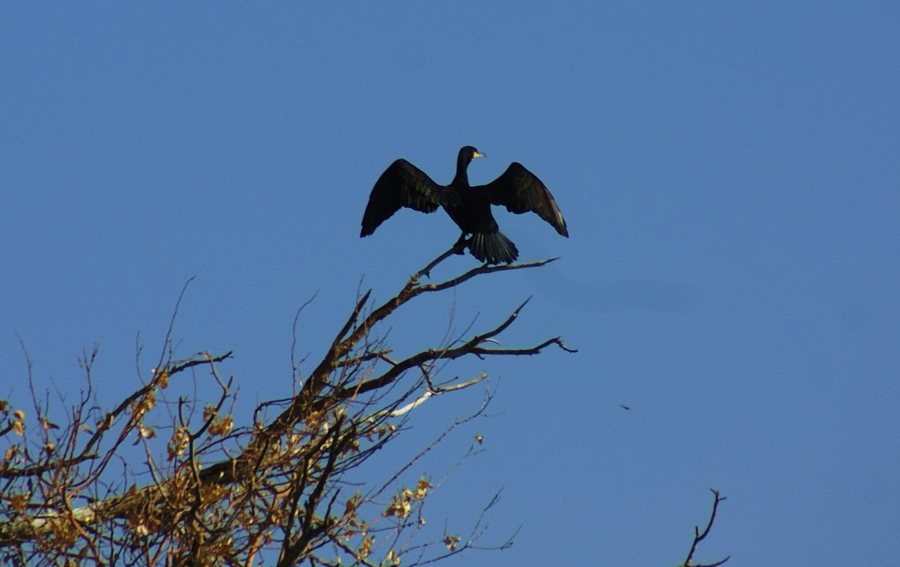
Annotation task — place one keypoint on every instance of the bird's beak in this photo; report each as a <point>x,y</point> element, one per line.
<point>477,155</point>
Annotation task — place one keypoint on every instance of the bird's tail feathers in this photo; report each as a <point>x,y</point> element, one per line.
<point>492,247</point>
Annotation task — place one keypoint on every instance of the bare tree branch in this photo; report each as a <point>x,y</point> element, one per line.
<point>698,536</point>
<point>284,488</point>
<point>283,475</point>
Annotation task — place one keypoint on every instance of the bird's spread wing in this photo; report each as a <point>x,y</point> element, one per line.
<point>401,185</point>
<point>521,191</point>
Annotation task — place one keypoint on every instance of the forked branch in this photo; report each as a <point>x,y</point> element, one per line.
<point>700,536</point>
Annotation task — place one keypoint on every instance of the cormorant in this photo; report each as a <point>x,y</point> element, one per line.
<point>405,185</point>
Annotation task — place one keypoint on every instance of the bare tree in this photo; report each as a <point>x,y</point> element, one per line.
<point>279,490</point>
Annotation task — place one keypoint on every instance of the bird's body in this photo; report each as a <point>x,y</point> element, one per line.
<point>404,185</point>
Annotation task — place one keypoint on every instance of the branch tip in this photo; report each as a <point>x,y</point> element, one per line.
<point>698,536</point>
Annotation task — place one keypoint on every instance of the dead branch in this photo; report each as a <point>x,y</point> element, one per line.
<point>281,475</point>
<point>698,536</point>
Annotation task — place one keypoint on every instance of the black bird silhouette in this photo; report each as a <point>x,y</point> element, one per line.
<point>405,185</point>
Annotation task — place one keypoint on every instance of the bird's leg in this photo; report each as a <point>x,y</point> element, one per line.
<point>460,246</point>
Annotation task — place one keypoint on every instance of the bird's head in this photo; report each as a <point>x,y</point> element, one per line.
<point>467,154</point>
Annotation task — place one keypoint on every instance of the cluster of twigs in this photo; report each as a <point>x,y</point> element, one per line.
<point>277,490</point>
<point>222,494</point>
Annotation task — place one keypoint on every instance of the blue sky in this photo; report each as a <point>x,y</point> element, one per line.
<point>729,173</point>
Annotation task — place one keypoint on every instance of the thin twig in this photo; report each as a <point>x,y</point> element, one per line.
<point>698,537</point>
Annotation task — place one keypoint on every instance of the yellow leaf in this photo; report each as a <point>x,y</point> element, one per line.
<point>422,488</point>
<point>11,453</point>
<point>366,546</point>
<point>350,507</point>
<point>451,541</point>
